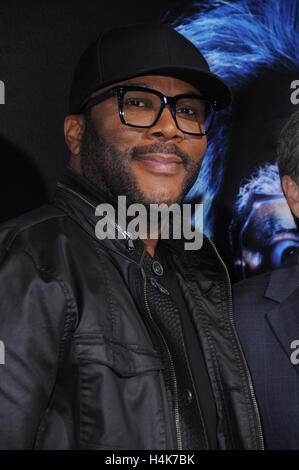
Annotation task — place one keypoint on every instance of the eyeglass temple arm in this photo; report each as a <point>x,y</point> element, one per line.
<point>96,99</point>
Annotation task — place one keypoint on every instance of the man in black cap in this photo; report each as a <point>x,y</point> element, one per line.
<point>124,342</point>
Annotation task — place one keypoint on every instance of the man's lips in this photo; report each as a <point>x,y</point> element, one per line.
<point>160,163</point>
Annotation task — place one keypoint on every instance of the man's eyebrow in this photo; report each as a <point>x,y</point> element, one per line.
<point>147,85</point>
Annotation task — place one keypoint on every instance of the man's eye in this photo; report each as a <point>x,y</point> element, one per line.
<point>186,110</point>
<point>137,103</point>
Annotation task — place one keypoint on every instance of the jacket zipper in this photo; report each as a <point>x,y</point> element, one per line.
<point>130,246</point>
<point>232,321</point>
<point>172,370</point>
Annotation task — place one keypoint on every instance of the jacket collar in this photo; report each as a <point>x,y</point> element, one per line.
<point>79,197</point>
<point>284,324</point>
<point>82,185</point>
<point>283,287</point>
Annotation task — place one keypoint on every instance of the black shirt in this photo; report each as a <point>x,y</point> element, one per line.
<point>196,358</point>
<point>195,400</point>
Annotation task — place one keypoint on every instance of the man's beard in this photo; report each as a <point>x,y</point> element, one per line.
<point>110,169</point>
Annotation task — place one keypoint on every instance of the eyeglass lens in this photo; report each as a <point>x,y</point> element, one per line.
<point>141,108</point>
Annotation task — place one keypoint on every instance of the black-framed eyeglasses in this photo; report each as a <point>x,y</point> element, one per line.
<point>142,107</point>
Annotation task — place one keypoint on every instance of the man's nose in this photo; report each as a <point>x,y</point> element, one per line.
<point>166,127</point>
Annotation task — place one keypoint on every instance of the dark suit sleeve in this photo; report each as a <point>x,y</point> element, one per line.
<point>32,316</point>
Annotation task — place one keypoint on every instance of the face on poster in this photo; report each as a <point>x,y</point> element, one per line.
<point>254,48</point>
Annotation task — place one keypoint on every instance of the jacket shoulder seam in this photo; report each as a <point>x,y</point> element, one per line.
<point>18,231</point>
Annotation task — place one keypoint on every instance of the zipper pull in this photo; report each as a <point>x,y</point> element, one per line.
<point>155,283</point>
<point>130,245</point>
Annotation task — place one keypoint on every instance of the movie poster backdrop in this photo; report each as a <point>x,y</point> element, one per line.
<point>253,44</point>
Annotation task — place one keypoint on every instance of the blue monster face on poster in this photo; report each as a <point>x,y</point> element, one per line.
<point>254,46</point>
<point>263,230</point>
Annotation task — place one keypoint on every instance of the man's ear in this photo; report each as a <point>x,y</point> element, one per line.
<point>73,132</point>
<point>291,192</point>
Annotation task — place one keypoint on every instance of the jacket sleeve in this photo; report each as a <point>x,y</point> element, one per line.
<point>32,318</point>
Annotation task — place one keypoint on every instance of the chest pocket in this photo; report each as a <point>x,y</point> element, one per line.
<point>122,396</point>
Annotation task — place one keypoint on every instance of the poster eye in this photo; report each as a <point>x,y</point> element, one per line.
<point>281,250</point>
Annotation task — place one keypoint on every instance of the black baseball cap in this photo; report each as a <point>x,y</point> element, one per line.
<point>143,49</point>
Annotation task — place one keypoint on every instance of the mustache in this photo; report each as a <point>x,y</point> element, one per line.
<point>160,147</point>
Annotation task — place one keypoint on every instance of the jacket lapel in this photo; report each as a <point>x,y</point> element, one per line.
<point>283,319</point>
<point>283,281</point>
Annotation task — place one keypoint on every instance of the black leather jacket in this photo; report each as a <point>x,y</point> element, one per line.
<point>81,371</point>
